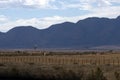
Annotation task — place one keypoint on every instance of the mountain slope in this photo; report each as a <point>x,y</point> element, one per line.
<point>20,37</point>
<point>90,32</point>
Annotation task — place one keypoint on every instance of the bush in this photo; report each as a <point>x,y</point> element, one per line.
<point>117,75</point>
<point>96,75</point>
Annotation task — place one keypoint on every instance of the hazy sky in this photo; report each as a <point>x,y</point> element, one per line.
<point>43,13</point>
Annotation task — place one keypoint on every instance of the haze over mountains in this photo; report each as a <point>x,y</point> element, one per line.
<point>90,32</point>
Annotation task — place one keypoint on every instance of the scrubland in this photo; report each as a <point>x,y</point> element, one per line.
<point>48,65</point>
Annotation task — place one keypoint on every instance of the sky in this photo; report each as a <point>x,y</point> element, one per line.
<point>43,13</point>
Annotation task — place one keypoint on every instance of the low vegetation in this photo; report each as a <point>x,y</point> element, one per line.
<point>55,73</point>
<point>41,65</point>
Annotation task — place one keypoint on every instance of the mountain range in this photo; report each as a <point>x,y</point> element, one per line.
<point>90,32</point>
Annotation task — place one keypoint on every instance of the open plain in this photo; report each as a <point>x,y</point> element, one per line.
<point>40,64</point>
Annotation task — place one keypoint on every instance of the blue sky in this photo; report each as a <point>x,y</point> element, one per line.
<point>43,13</point>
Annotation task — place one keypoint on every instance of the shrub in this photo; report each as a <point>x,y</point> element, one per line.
<point>96,75</point>
<point>117,75</point>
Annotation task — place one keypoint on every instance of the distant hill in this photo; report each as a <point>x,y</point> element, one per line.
<point>90,32</point>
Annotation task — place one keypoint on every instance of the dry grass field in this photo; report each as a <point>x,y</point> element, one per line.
<point>83,58</point>
<point>37,63</point>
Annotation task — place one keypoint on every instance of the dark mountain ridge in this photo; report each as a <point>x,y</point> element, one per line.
<point>90,32</point>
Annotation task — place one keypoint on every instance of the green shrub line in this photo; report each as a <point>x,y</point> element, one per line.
<point>42,53</point>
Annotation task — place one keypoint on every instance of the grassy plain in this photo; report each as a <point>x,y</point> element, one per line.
<point>47,65</point>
